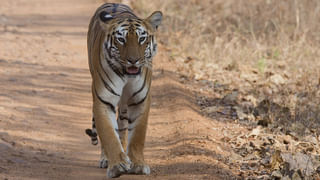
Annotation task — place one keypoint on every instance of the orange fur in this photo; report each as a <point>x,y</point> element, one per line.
<point>123,156</point>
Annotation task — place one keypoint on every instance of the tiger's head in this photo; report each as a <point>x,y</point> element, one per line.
<point>129,42</point>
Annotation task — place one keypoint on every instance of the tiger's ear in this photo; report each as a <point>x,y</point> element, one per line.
<point>155,19</point>
<point>104,16</point>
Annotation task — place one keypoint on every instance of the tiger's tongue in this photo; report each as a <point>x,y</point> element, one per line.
<point>132,70</point>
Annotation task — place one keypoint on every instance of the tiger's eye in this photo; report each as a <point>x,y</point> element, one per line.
<point>121,40</point>
<point>142,39</point>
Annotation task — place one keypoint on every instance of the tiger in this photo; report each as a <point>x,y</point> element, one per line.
<point>121,47</point>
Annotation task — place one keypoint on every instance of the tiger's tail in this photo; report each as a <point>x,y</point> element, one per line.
<point>92,133</point>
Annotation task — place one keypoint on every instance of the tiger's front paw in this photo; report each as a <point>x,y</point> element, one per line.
<point>119,169</point>
<point>140,169</point>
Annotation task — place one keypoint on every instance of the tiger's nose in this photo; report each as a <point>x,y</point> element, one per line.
<point>132,60</point>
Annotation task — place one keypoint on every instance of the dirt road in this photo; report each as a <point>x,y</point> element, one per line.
<point>45,103</point>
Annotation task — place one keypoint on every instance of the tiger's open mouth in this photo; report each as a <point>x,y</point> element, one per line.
<point>132,70</point>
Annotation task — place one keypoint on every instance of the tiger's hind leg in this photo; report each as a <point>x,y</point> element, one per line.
<point>136,137</point>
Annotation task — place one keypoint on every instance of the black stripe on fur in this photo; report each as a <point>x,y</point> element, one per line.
<point>123,129</point>
<point>106,85</point>
<point>143,85</point>
<point>115,70</point>
<point>142,100</point>
<point>111,106</point>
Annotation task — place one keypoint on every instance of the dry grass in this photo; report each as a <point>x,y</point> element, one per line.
<point>217,33</point>
<point>265,48</point>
